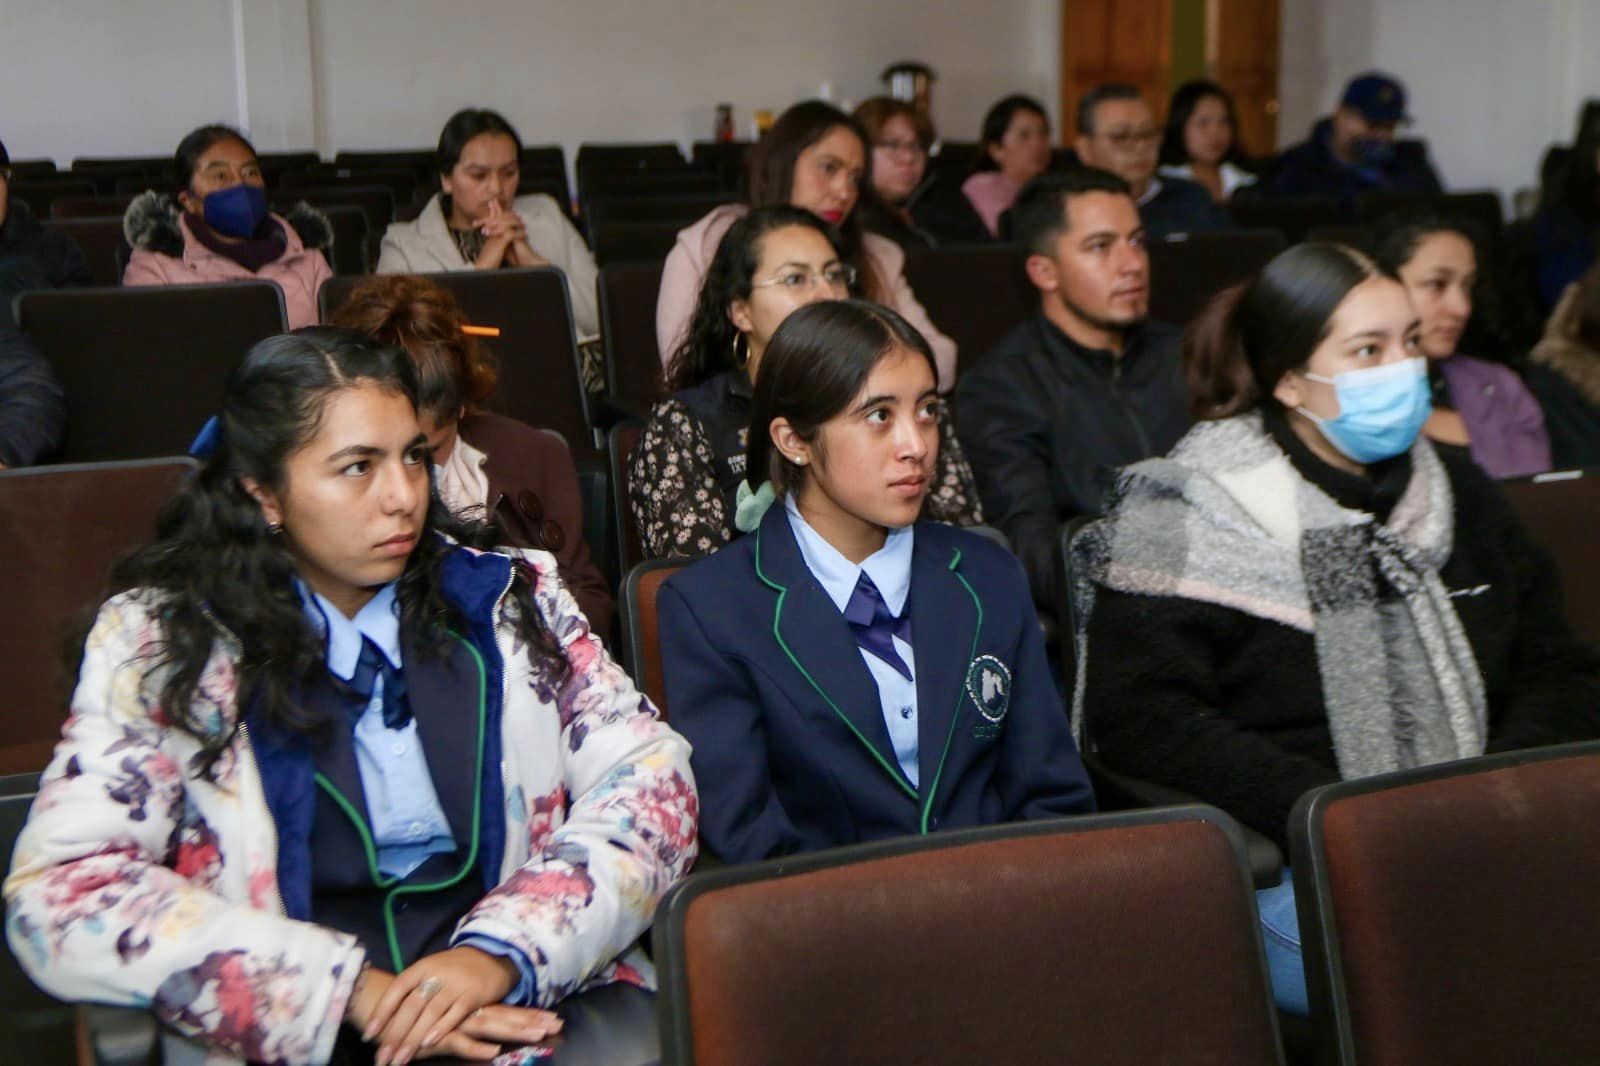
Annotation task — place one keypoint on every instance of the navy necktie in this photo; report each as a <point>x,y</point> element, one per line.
<point>874,627</point>
<point>372,665</point>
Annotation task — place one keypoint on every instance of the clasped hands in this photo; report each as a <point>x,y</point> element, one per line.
<point>445,1004</point>
<point>505,241</point>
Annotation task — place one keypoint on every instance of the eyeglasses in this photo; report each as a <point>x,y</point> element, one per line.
<point>837,276</point>
<point>913,148</point>
<point>1122,140</point>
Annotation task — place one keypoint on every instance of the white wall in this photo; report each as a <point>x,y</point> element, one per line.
<point>386,73</point>
<point>1492,83</point>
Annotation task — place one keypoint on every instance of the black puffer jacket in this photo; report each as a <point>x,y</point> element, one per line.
<point>32,257</point>
<point>33,414</point>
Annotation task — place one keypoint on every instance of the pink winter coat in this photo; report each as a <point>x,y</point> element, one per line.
<point>165,252</point>
<point>691,257</point>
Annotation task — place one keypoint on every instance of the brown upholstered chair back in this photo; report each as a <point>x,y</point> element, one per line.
<point>641,631</point>
<point>1185,274</point>
<point>61,527</point>
<point>975,294</point>
<point>1449,914</point>
<point>628,315</point>
<point>1110,939</point>
<point>1561,511</point>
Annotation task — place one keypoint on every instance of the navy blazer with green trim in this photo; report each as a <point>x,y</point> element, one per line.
<point>791,752</point>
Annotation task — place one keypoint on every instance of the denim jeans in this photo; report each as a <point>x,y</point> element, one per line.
<point>1280,934</point>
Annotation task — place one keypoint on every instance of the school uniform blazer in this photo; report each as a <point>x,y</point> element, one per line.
<point>791,752</point>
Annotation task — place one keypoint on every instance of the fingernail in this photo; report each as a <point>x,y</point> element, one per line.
<point>431,1039</point>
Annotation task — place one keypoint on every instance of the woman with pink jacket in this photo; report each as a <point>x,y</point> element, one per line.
<point>219,229</point>
<point>815,157</point>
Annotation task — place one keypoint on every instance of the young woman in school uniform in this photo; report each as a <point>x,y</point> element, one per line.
<point>335,773</point>
<point>845,672</point>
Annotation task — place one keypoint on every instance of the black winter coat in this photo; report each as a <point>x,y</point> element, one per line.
<point>32,257</point>
<point>33,413</point>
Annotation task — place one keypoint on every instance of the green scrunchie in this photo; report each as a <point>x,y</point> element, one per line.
<point>751,505</point>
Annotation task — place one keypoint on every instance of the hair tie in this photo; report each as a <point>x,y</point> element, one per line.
<point>208,440</point>
<point>751,505</point>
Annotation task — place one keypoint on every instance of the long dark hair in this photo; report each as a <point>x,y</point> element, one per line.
<point>197,143</point>
<point>1576,184</point>
<point>818,361</point>
<point>707,349</point>
<point>1398,238</point>
<point>1252,334</point>
<point>1185,98</point>
<point>771,175</point>
<point>997,121</point>
<point>218,573</point>
<point>463,126</point>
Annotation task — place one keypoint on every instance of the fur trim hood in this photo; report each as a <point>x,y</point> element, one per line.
<point>1561,351</point>
<point>151,223</point>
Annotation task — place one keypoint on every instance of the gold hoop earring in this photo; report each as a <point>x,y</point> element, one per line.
<point>741,360</point>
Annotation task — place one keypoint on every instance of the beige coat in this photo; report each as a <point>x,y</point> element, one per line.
<point>425,246</point>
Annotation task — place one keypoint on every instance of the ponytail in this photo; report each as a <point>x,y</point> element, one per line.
<point>1221,381</point>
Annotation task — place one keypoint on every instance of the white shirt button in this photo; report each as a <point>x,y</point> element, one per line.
<point>417,829</point>
<point>907,711</point>
<point>399,747</point>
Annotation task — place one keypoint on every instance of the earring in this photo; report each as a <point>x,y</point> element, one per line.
<point>741,359</point>
<point>798,460</point>
<point>274,528</point>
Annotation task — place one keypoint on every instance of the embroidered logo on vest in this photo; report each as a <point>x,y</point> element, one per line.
<point>989,685</point>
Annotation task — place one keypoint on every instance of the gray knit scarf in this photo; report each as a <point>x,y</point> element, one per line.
<point>1226,519</point>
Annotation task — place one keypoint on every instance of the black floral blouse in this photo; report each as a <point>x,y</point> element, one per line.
<point>685,471</point>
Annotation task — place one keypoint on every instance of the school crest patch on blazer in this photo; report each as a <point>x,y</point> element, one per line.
<point>989,685</point>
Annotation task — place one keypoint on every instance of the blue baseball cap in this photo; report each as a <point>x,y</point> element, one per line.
<point>1378,97</point>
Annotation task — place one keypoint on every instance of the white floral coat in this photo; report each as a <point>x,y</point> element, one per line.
<point>136,882</point>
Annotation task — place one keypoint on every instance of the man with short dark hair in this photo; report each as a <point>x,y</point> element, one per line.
<point>1117,132</point>
<point>1354,150</point>
<point>1083,387</point>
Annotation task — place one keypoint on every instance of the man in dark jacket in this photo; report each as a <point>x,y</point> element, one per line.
<point>31,257</point>
<point>1117,132</point>
<point>33,414</point>
<point>1354,150</point>
<point>1085,386</point>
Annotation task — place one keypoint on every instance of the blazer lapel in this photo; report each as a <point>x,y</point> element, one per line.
<point>443,693</point>
<point>944,628</point>
<point>826,664</point>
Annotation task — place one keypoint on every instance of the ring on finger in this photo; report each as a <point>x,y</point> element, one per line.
<point>430,988</point>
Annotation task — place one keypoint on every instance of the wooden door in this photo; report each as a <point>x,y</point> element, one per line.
<point>1131,41</point>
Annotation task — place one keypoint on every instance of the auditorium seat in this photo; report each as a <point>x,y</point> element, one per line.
<point>402,184</point>
<point>627,299</point>
<point>41,193</point>
<point>1114,939</point>
<point>641,631</point>
<point>1481,208</point>
<point>90,206</point>
<point>727,158</point>
<point>351,247</point>
<point>61,527</point>
<point>376,202</point>
<point>620,442</point>
<point>101,241</point>
<point>536,356</point>
<point>628,156</point>
<point>142,368</point>
<point>633,242</point>
<point>25,169</point>
<point>1561,511</point>
<point>683,210</point>
<point>1291,216</point>
<point>974,293</point>
<point>1448,913</point>
<point>1186,273</point>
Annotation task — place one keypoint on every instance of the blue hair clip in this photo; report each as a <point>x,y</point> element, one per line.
<point>750,505</point>
<point>208,440</point>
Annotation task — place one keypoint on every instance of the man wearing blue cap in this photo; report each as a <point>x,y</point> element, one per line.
<point>1354,150</point>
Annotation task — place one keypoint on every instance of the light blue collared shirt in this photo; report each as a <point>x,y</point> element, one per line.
<point>408,822</point>
<point>890,569</point>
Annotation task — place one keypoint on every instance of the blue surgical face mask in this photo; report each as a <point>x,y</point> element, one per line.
<point>1373,151</point>
<point>1381,409</point>
<point>236,211</point>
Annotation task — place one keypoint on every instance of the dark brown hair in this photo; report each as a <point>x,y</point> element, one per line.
<point>875,113</point>
<point>1252,334</point>
<point>423,320</point>
<point>818,361</point>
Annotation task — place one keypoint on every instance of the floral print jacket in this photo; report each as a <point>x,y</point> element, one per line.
<point>139,882</point>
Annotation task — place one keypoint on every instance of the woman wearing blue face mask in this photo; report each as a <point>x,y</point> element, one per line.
<point>218,227</point>
<point>1305,590</point>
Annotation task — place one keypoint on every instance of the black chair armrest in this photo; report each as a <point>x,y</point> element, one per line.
<point>1119,790</point>
<point>119,1036</point>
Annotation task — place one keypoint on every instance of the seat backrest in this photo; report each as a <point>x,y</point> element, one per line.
<point>624,242</point>
<point>1112,939</point>
<point>640,631</point>
<point>639,156</point>
<point>975,294</point>
<point>536,355</point>
<point>1185,274</point>
<point>627,299</point>
<point>90,207</point>
<point>41,193</point>
<point>1560,511</point>
<point>143,367</point>
<point>1448,914</point>
<point>350,244</point>
<point>1359,237</point>
<point>619,449</point>
<point>61,527</point>
<point>1291,216</point>
<point>100,239</point>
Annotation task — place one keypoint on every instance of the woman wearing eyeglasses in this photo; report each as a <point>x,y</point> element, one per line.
<point>906,203</point>
<point>815,157</point>
<point>687,466</point>
<point>1015,150</point>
